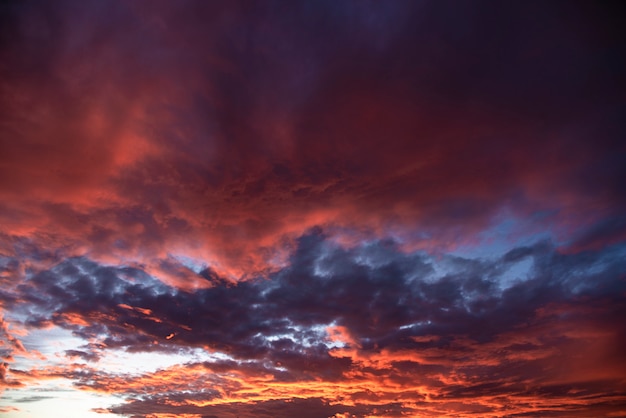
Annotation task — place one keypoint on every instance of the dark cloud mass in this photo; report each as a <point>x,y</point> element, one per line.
<point>369,315</point>
<point>315,208</point>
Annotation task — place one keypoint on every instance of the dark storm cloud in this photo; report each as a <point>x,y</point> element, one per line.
<point>379,293</point>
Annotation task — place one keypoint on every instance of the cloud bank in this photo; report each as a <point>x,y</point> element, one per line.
<point>330,208</point>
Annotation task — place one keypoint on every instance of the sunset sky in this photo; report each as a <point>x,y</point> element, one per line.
<point>312,209</point>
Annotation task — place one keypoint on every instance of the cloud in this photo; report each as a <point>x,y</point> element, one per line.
<point>368,209</point>
<point>377,324</point>
<point>32,399</point>
<point>136,138</point>
<point>82,354</point>
<point>283,408</point>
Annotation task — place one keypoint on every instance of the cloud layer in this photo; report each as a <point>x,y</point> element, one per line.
<point>221,130</point>
<point>369,330</point>
<point>332,208</point>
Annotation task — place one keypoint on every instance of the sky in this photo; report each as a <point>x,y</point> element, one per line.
<point>322,209</point>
